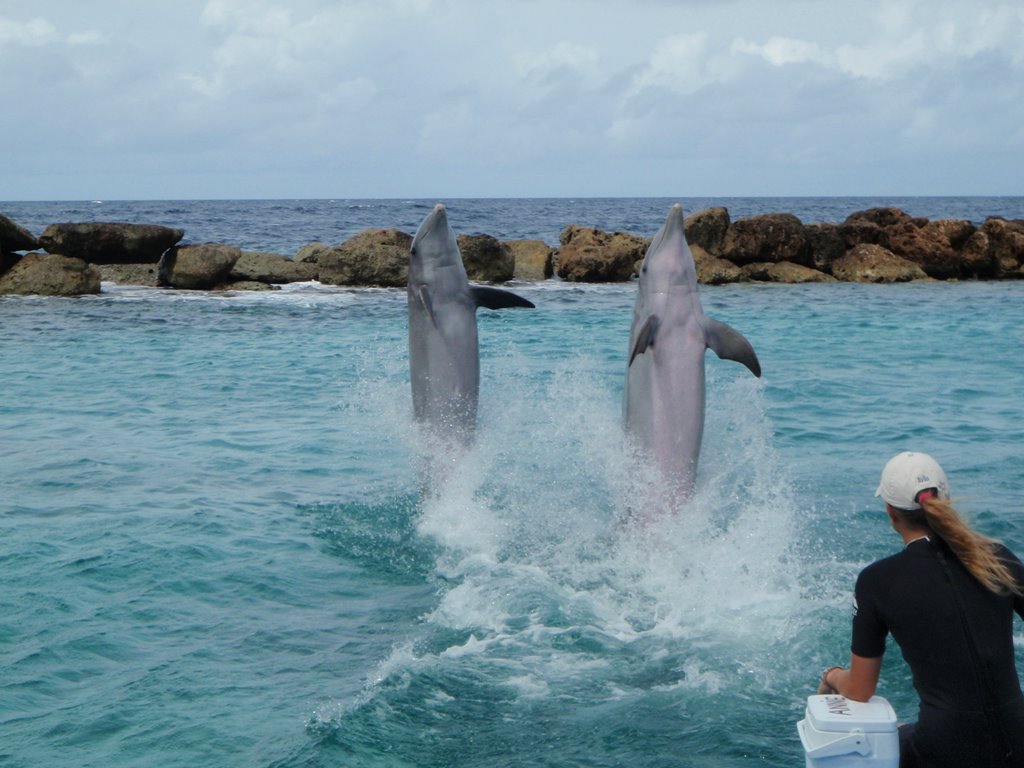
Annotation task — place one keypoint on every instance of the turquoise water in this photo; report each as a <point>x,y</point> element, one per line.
<point>215,552</point>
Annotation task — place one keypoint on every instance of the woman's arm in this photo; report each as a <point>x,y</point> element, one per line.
<point>1012,562</point>
<point>859,681</point>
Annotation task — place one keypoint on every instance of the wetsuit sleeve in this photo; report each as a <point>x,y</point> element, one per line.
<point>869,628</point>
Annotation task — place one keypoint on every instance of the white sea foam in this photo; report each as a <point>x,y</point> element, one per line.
<point>302,294</point>
<point>547,586</point>
<point>530,686</point>
<point>542,564</point>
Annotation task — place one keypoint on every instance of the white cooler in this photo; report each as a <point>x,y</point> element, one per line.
<point>839,733</point>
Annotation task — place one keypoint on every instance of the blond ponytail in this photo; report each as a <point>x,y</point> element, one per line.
<point>976,551</point>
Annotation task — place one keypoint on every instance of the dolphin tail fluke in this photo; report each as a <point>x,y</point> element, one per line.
<point>645,338</point>
<point>496,298</point>
<point>730,344</point>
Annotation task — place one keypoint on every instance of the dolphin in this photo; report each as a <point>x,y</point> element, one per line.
<point>444,360</point>
<point>663,402</point>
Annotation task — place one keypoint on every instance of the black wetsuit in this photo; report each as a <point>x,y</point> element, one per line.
<point>957,638</point>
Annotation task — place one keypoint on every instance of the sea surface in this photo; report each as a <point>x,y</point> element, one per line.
<point>284,226</point>
<point>216,550</point>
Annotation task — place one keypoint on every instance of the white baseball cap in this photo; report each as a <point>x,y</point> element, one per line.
<point>906,475</point>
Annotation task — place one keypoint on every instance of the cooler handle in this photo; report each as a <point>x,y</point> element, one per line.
<point>845,744</point>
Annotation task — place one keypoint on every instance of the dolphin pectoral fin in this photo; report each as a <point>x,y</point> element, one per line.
<point>423,296</point>
<point>645,338</point>
<point>730,344</point>
<point>496,298</point>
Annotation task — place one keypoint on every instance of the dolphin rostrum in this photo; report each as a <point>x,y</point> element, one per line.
<point>444,362</point>
<point>664,394</point>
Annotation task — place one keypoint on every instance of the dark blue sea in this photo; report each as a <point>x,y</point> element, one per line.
<point>283,226</point>
<point>214,550</point>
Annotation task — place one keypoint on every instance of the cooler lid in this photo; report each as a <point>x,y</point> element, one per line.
<point>838,714</point>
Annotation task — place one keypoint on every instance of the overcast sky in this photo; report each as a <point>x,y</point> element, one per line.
<point>120,99</point>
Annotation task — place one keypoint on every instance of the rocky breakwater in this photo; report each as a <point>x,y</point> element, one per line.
<point>76,258</point>
<point>72,255</point>
<point>878,245</point>
<point>380,257</point>
<point>875,245</point>
<point>40,273</point>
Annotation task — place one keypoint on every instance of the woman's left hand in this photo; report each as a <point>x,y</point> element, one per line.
<point>823,686</point>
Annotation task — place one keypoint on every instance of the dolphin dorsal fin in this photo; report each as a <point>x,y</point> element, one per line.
<point>730,344</point>
<point>645,338</point>
<point>496,298</point>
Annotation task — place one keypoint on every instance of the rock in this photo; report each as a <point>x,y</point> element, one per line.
<point>129,274</point>
<point>884,218</point>
<point>371,257</point>
<point>7,259</point>
<point>712,270</point>
<point>1007,242</point>
<point>826,245</point>
<point>263,267</point>
<point>15,238</point>
<point>977,256</point>
<point>862,232</point>
<point>996,249</point>
<point>946,239</point>
<point>784,272</point>
<point>310,253</point>
<point>906,239</point>
<point>956,232</point>
<point>110,242</point>
<point>487,260</point>
<point>934,246</point>
<point>870,263</point>
<point>50,274</point>
<point>594,256</point>
<point>534,259</point>
<point>873,226</point>
<point>707,229</point>
<point>770,237</point>
<point>197,267</point>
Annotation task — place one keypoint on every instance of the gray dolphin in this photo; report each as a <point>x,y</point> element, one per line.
<point>664,395</point>
<point>444,361</point>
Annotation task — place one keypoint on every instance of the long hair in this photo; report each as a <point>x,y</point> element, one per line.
<point>976,551</point>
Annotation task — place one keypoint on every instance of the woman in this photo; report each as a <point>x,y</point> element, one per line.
<point>948,599</point>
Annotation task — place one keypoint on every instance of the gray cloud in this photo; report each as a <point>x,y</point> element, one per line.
<point>262,98</point>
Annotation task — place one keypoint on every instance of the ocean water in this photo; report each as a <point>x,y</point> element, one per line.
<point>215,548</point>
<point>284,226</point>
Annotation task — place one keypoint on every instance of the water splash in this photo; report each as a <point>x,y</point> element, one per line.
<point>537,562</point>
<point>550,605</point>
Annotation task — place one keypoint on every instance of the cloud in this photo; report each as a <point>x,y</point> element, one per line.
<point>677,64</point>
<point>779,51</point>
<point>911,37</point>
<point>90,37</point>
<point>554,96</point>
<point>31,33</point>
<point>562,59</point>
